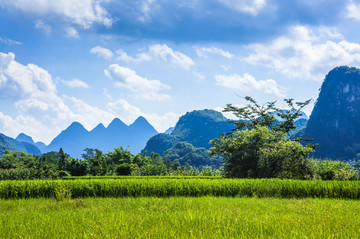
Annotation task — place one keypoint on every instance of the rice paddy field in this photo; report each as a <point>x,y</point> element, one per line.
<point>191,207</point>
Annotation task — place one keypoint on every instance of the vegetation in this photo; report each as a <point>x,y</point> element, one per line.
<point>192,187</point>
<point>186,154</point>
<point>53,165</point>
<point>197,128</point>
<point>259,146</point>
<point>204,217</point>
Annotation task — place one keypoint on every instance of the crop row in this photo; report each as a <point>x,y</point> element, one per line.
<point>188,187</point>
<point>141,177</point>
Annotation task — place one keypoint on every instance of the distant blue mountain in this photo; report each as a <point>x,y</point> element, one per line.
<point>74,139</point>
<point>25,138</point>
<point>15,145</point>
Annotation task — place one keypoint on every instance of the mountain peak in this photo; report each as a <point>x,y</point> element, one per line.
<point>140,120</point>
<point>116,123</point>
<point>76,124</point>
<point>335,120</point>
<point>24,138</point>
<point>99,126</point>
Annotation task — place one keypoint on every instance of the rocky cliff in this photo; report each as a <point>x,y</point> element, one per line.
<point>335,120</point>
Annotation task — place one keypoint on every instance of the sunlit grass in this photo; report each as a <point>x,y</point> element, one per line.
<point>164,187</point>
<point>180,217</point>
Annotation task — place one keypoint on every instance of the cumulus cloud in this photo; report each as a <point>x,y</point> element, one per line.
<point>75,83</point>
<point>72,32</point>
<point>102,52</point>
<point>165,53</point>
<point>35,98</point>
<point>40,112</point>
<point>128,113</point>
<point>19,81</point>
<point>252,7</point>
<point>353,10</point>
<point>305,53</point>
<point>141,87</point>
<point>247,82</point>
<point>203,52</point>
<point>84,13</point>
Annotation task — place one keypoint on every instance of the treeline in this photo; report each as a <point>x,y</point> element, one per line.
<point>17,165</point>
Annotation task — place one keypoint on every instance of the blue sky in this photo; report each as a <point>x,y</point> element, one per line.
<point>93,60</point>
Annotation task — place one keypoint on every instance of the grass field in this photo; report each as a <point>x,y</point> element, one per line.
<point>193,187</point>
<point>180,217</point>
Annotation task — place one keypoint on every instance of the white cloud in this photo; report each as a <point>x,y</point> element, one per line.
<point>43,26</point>
<point>247,82</point>
<point>72,32</point>
<point>75,83</point>
<point>353,10</point>
<point>8,41</point>
<point>128,113</point>
<point>82,110</point>
<point>202,52</point>
<point>40,112</point>
<point>252,7</point>
<point>304,53</point>
<point>35,98</point>
<point>141,87</point>
<point>82,12</point>
<point>123,56</point>
<point>102,52</point>
<point>165,53</point>
<point>21,81</point>
<point>158,51</point>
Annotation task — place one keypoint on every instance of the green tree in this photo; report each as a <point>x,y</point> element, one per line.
<point>97,165</point>
<point>259,147</point>
<point>63,159</point>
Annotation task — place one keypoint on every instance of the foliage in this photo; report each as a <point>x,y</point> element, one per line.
<point>254,114</point>
<point>259,146</point>
<point>262,153</point>
<point>334,170</point>
<point>124,169</point>
<point>184,152</point>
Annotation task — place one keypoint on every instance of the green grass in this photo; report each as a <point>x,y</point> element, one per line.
<point>141,177</point>
<point>185,187</point>
<point>180,217</point>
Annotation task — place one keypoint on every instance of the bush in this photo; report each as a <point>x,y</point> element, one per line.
<point>333,170</point>
<point>262,153</point>
<point>124,169</point>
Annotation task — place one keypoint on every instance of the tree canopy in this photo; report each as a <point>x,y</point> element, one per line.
<point>259,146</point>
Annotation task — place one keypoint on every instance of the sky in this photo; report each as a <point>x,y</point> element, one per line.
<point>95,60</point>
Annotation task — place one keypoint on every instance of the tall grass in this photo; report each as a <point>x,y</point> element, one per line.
<point>180,217</point>
<point>186,187</point>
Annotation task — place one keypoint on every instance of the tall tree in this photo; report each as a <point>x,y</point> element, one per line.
<point>259,147</point>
